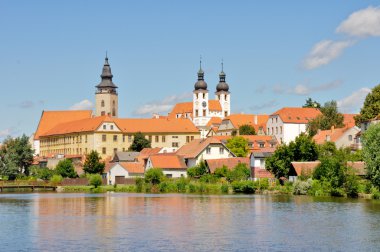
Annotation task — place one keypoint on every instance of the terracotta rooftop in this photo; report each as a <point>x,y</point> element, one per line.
<point>187,108</point>
<point>230,163</point>
<point>261,173</point>
<point>305,168</point>
<point>50,119</point>
<point>133,167</point>
<point>168,161</point>
<point>349,120</point>
<point>297,115</point>
<point>214,121</point>
<point>358,167</point>
<point>195,147</point>
<point>256,121</point>
<point>331,135</point>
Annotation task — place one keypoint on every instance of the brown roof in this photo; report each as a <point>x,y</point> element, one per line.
<point>305,168</point>
<point>256,139</point>
<point>195,147</point>
<point>334,134</point>
<point>133,167</point>
<point>168,161</point>
<point>297,115</point>
<point>50,119</point>
<point>261,173</point>
<point>230,163</point>
<point>358,167</point>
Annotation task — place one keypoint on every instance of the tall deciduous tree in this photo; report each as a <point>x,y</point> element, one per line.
<point>247,129</point>
<point>93,164</point>
<point>16,155</point>
<point>302,149</point>
<point>330,117</point>
<point>139,142</point>
<point>65,168</point>
<point>371,153</point>
<point>371,106</point>
<point>238,145</point>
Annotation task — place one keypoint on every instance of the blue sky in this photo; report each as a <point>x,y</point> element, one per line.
<point>276,54</point>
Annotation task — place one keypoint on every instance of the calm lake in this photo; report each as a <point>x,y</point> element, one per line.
<point>176,222</point>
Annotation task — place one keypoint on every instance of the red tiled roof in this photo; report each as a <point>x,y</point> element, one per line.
<point>261,173</point>
<point>168,161</point>
<point>305,168</point>
<point>256,121</point>
<point>133,167</point>
<point>349,120</point>
<point>230,163</point>
<point>50,119</point>
<point>297,115</point>
<point>358,167</point>
<point>195,147</point>
<point>184,108</point>
<point>214,121</point>
<point>334,134</point>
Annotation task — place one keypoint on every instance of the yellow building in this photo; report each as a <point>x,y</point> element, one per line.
<point>107,135</point>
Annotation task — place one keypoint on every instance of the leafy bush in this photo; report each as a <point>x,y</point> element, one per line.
<point>221,172</point>
<point>302,187</point>
<point>198,170</point>
<point>224,188</point>
<point>263,184</point>
<point>243,187</point>
<point>154,176</point>
<point>95,180</point>
<point>337,192</point>
<point>139,184</point>
<point>56,179</point>
<point>65,168</point>
<point>181,184</point>
<point>352,186</point>
<point>208,178</point>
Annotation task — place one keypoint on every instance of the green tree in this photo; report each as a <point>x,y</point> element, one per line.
<point>371,106</point>
<point>238,145</point>
<point>139,142</point>
<point>247,129</point>
<point>371,153</point>
<point>41,172</point>
<point>65,168</point>
<point>93,164</point>
<point>198,170</point>
<point>95,180</point>
<point>311,104</point>
<point>16,156</point>
<point>154,176</point>
<point>221,172</point>
<point>240,172</point>
<point>303,148</point>
<point>330,117</point>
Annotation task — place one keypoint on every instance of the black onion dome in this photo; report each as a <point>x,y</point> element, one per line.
<point>222,85</point>
<point>106,77</point>
<point>200,84</point>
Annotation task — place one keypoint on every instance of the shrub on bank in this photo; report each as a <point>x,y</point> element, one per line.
<point>302,187</point>
<point>95,180</point>
<point>243,187</point>
<point>56,179</point>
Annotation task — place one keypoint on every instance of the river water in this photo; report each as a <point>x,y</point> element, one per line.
<point>176,222</point>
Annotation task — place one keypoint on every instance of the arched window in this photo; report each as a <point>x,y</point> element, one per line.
<point>102,103</point>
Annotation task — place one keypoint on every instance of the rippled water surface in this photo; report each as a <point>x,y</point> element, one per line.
<point>175,222</point>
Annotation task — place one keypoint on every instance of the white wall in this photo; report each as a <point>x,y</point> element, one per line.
<point>292,130</point>
<point>116,170</point>
<point>344,140</point>
<point>175,173</point>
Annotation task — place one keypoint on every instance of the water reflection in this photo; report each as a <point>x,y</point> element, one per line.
<point>130,222</point>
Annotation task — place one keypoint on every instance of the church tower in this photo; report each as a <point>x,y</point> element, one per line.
<point>200,99</point>
<point>106,94</point>
<point>223,95</point>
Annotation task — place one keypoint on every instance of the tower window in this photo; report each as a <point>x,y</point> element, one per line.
<point>113,112</point>
<point>204,112</point>
<point>204,95</point>
<point>102,103</point>
<point>196,113</point>
<point>103,113</point>
<point>225,97</point>
<point>225,113</point>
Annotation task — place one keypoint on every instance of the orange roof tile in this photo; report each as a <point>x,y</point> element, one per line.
<point>172,125</point>
<point>168,161</point>
<point>349,120</point>
<point>146,152</point>
<point>214,121</point>
<point>194,148</point>
<point>261,173</point>
<point>133,167</point>
<point>358,167</point>
<point>334,135</point>
<point>305,168</point>
<point>50,119</point>
<point>297,115</point>
<point>182,108</point>
<point>255,121</point>
<point>214,105</point>
<point>230,163</point>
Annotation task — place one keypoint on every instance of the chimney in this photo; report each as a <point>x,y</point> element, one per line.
<point>332,129</point>
<point>255,119</point>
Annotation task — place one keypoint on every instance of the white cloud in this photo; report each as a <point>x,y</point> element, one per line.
<point>362,23</point>
<point>5,132</point>
<point>306,89</point>
<point>353,102</point>
<point>161,106</point>
<point>83,105</point>
<point>324,52</point>
<point>264,106</point>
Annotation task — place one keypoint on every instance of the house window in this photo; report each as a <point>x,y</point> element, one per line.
<point>85,150</point>
<point>261,145</point>
<point>85,138</point>
<point>187,139</point>
<point>280,129</point>
<point>169,175</point>
<point>192,138</point>
<point>276,119</point>
<point>111,127</point>
<point>349,137</point>
<point>208,150</point>
<point>150,138</point>
<point>221,150</point>
<point>104,138</point>
<point>115,138</point>
<point>129,138</point>
<point>104,126</point>
<point>276,129</point>
<point>268,131</point>
<point>174,136</point>
<point>114,150</point>
<point>156,139</point>
<point>163,139</point>
<point>104,150</point>
<point>174,144</point>
<point>123,138</point>
<point>123,149</point>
